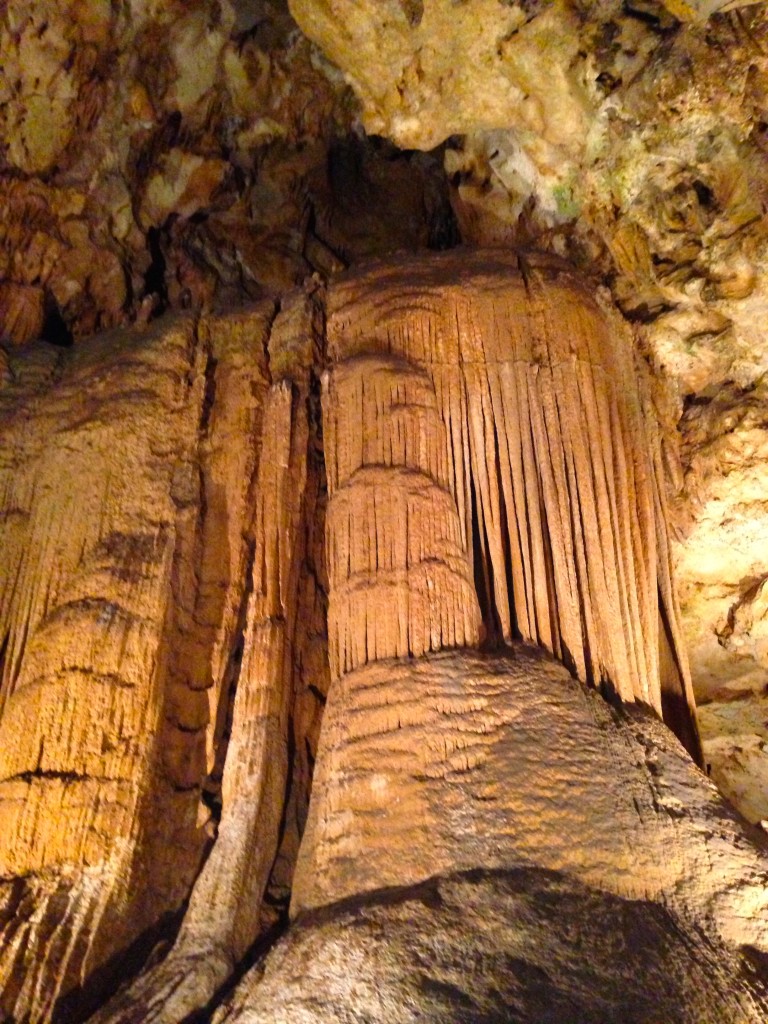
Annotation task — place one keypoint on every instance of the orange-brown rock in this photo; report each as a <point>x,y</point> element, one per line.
<point>123,560</point>
<point>456,451</point>
<point>224,916</point>
<point>486,813</point>
<point>519,383</point>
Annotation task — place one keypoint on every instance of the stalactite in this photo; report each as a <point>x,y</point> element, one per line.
<point>399,573</point>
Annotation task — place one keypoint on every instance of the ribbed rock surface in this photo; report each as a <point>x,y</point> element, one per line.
<point>125,495</point>
<point>225,916</point>
<point>402,488</point>
<point>529,417</point>
<point>629,136</point>
<point>197,156</point>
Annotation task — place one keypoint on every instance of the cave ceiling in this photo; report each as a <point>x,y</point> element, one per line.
<point>160,156</point>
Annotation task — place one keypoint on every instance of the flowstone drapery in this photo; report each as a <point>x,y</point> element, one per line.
<point>437,488</point>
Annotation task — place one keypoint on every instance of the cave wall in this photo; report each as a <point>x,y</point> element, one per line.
<point>202,159</point>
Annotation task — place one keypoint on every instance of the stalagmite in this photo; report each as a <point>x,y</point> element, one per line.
<point>453,778</point>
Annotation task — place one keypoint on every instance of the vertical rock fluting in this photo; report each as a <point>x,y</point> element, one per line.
<point>224,915</point>
<point>125,495</point>
<point>400,576</point>
<point>547,456</point>
<point>477,420</point>
<point>446,769</point>
<point>492,484</point>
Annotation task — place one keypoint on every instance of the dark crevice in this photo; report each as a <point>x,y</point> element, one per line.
<point>53,774</point>
<point>317,693</point>
<point>3,657</point>
<point>211,787</point>
<point>258,950</point>
<point>55,328</point>
<point>209,396</point>
<point>483,574</point>
<point>506,547</point>
<point>154,279</point>
<point>675,707</point>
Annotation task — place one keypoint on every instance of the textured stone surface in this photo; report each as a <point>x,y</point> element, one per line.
<point>203,155</point>
<point>722,568</point>
<point>628,137</point>
<point>437,460</point>
<point>206,154</point>
<point>224,916</point>
<point>496,389</point>
<point>122,571</point>
<point>448,763</point>
<point>185,156</point>
<point>491,947</point>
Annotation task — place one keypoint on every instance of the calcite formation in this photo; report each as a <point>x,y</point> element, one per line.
<point>126,496</point>
<point>198,156</point>
<point>428,506</point>
<point>629,137</point>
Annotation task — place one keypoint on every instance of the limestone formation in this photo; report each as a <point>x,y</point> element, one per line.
<point>623,866</point>
<point>225,915</point>
<point>272,462</point>
<point>126,484</point>
<point>438,487</point>
<point>456,772</point>
<point>629,137</point>
<point>402,974</point>
<point>523,382</point>
<point>198,156</point>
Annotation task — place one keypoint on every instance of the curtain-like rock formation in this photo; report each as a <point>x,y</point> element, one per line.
<point>529,416</point>
<point>494,485</point>
<point>126,484</point>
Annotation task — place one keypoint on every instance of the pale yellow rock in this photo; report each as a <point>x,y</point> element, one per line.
<point>441,68</point>
<point>700,10</point>
<point>184,183</point>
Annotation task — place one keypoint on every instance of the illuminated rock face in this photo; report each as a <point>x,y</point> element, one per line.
<point>438,489</point>
<point>126,495</point>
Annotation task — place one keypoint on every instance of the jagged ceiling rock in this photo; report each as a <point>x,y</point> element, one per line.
<point>427,69</point>
<point>604,131</point>
<point>700,10</point>
<point>168,155</point>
